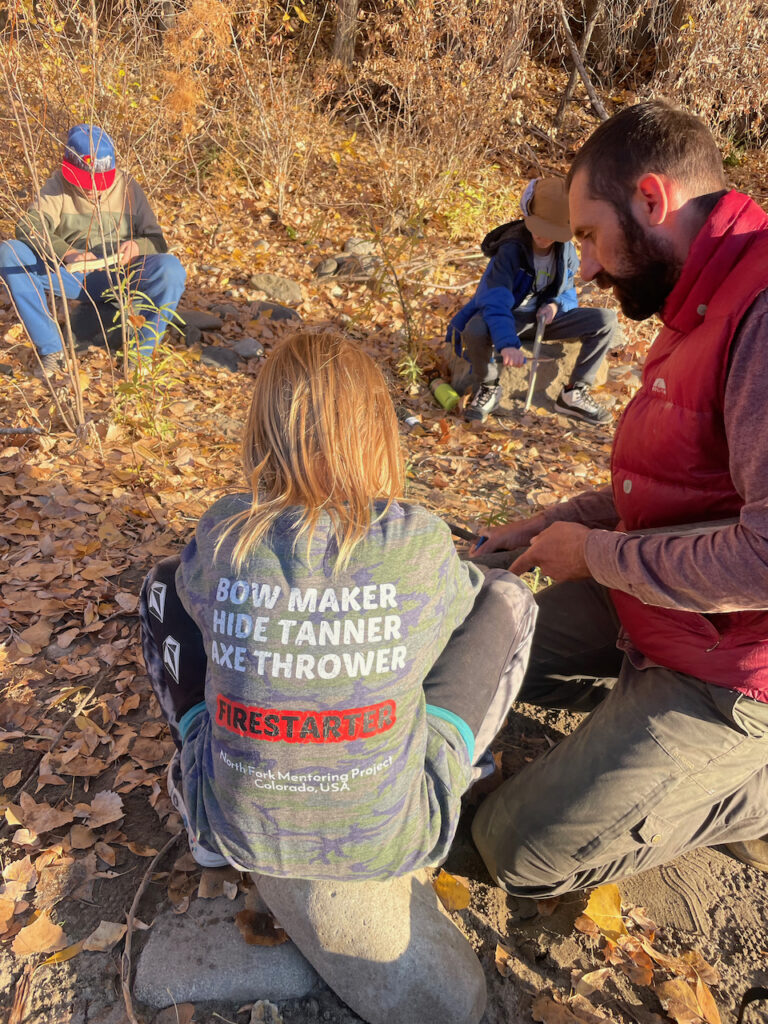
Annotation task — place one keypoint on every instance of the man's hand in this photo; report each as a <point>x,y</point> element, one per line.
<point>77,256</point>
<point>512,356</point>
<point>558,551</point>
<point>547,313</point>
<point>512,535</point>
<point>127,251</point>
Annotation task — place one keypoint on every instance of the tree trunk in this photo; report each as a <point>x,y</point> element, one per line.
<point>346,30</point>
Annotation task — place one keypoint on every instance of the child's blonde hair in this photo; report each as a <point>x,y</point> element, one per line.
<point>321,435</point>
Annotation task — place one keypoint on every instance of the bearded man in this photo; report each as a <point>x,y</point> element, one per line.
<point>658,623</point>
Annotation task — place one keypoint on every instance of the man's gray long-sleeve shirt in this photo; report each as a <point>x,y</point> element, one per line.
<point>722,571</point>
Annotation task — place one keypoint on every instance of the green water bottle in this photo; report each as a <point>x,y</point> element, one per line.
<point>444,394</point>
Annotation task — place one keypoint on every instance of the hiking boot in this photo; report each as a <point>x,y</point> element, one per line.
<point>484,401</point>
<point>577,402</point>
<point>51,365</point>
<point>751,851</point>
<point>202,855</point>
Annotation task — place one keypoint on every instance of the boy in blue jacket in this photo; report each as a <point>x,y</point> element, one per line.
<point>529,276</point>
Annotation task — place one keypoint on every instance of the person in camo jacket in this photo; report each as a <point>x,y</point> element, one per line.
<point>89,211</point>
<point>331,672</point>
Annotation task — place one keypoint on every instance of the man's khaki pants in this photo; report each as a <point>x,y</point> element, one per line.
<point>664,763</point>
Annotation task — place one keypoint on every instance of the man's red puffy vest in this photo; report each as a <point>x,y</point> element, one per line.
<point>670,454</point>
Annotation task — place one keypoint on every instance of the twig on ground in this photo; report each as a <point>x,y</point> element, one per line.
<point>22,430</point>
<point>125,964</point>
<point>21,995</point>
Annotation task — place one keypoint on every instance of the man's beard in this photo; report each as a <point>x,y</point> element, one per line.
<point>650,271</point>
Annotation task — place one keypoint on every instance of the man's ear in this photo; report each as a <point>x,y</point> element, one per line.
<point>653,200</point>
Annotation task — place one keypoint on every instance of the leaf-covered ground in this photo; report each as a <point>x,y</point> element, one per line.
<point>82,746</point>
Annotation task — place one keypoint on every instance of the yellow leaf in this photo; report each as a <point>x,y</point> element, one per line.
<point>707,1003</point>
<point>452,893</point>
<point>63,954</point>
<point>66,694</point>
<point>604,908</point>
<point>679,1001</point>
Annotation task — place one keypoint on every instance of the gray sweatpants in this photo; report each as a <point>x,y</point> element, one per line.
<point>594,327</point>
<point>663,764</point>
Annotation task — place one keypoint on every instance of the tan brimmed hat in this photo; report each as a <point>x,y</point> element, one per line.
<point>549,215</point>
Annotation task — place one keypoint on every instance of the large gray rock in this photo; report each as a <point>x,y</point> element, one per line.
<point>279,289</point>
<point>201,955</point>
<point>385,948</point>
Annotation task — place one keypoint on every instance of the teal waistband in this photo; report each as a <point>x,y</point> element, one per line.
<point>186,720</point>
<point>464,731</point>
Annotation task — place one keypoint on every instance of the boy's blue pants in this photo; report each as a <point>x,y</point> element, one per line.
<point>161,277</point>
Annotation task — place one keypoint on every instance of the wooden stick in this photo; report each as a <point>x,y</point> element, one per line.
<point>583,46</point>
<point>125,963</point>
<point>594,99</point>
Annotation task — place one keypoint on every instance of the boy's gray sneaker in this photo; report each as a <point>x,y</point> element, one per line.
<point>202,855</point>
<point>578,403</point>
<point>484,401</point>
<point>51,364</point>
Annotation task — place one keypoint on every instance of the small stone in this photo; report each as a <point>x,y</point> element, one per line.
<point>261,245</point>
<point>275,311</point>
<point>359,247</point>
<point>6,369</point>
<point>222,358</point>
<point>327,268</point>
<point>385,948</point>
<point>201,955</point>
<point>201,320</point>
<point>279,289</point>
<point>249,348</point>
<point>227,309</point>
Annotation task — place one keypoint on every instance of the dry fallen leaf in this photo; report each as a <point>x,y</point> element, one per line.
<point>546,1010</point>
<point>453,893</point>
<point>12,779</point>
<point>104,937</point>
<point>259,929</point>
<point>38,818</point>
<point>63,954</point>
<point>179,1013</point>
<point>42,936</point>
<point>679,1001</point>
<point>81,837</point>
<point>106,807</point>
<point>604,908</point>
<point>593,981</point>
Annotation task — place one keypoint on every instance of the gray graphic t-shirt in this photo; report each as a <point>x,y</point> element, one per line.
<point>315,755</point>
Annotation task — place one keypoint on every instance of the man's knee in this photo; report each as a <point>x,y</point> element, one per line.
<point>15,254</point>
<point>174,272</point>
<point>501,831</point>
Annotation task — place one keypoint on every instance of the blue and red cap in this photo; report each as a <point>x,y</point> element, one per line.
<point>89,158</point>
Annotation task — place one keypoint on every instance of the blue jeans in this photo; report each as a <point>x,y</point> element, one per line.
<point>160,277</point>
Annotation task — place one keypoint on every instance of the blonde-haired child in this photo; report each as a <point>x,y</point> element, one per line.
<point>330,670</point>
